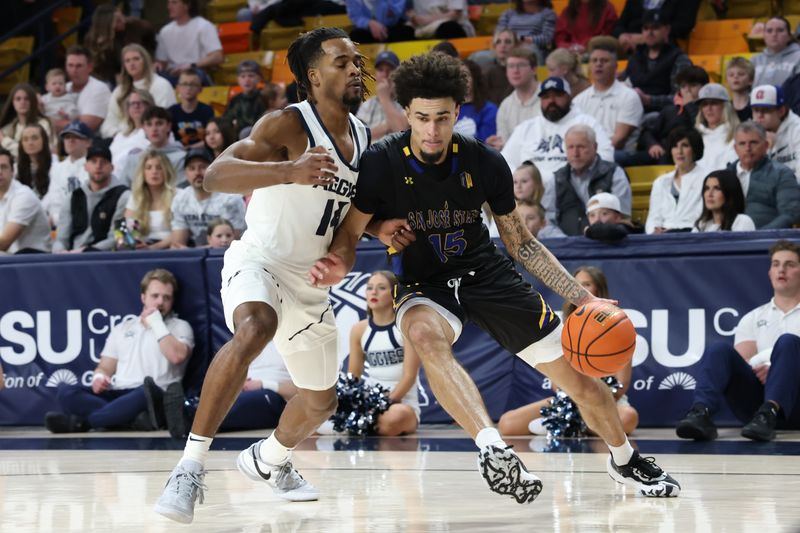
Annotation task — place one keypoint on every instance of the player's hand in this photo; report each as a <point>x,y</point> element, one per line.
<point>396,233</point>
<point>594,299</point>
<point>761,371</point>
<point>314,167</point>
<point>327,271</point>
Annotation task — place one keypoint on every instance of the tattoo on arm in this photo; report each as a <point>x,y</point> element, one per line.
<point>538,260</point>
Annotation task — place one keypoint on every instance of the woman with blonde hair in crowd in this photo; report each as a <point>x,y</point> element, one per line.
<point>137,73</point>
<point>132,135</point>
<point>20,110</point>
<point>716,122</point>
<point>564,64</point>
<point>148,208</point>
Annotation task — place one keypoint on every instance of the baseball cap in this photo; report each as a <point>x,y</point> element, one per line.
<point>98,149</point>
<point>767,96</point>
<point>652,17</point>
<point>77,128</point>
<point>248,65</point>
<point>713,91</point>
<point>199,153</point>
<point>387,56</point>
<point>603,200</point>
<point>554,84</point>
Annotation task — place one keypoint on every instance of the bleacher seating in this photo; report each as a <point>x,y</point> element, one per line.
<point>226,73</point>
<point>642,179</point>
<point>219,11</point>
<point>712,63</point>
<point>11,51</point>
<point>216,96</point>
<point>720,37</point>
<point>234,36</point>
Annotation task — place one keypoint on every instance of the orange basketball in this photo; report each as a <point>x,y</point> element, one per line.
<point>598,339</point>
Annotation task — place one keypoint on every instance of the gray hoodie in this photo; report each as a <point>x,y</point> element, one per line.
<point>175,152</point>
<point>92,199</point>
<point>774,69</point>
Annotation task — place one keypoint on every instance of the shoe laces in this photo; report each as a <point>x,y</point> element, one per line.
<point>187,481</point>
<point>288,477</point>
<point>648,466</point>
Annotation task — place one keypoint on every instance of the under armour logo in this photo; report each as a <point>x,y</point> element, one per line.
<point>409,180</point>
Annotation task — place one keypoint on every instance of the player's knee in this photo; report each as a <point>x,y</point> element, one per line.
<point>253,333</point>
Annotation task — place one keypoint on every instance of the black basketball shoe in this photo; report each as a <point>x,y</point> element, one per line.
<point>504,472</point>
<point>697,425</point>
<point>762,426</point>
<point>644,475</point>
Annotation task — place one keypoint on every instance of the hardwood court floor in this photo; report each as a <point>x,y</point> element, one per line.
<point>109,481</point>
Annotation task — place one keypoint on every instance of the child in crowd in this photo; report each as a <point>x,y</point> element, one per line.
<point>220,233</point>
<point>246,107</point>
<point>190,116</point>
<point>57,103</point>
<point>533,216</point>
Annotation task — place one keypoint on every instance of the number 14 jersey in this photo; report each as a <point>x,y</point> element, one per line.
<point>293,224</point>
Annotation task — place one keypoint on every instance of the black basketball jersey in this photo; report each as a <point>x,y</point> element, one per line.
<point>442,203</point>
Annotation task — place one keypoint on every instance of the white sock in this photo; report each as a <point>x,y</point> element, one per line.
<point>489,436</point>
<point>272,451</point>
<point>196,448</point>
<point>621,454</point>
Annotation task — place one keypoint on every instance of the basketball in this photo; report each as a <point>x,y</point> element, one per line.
<point>598,339</point>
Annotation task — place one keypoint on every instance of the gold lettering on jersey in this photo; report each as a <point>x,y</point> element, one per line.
<point>342,187</point>
<point>442,219</point>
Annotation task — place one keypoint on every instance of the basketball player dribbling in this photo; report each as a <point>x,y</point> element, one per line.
<point>301,164</point>
<point>452,272</point>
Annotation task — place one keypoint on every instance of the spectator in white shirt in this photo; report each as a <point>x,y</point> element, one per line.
<point>189,41</point>
<point>93,94</point>
<point>716,121</point>
<point>194,207</point>
<point>615,105</point>
<point>782,125</point>
<point>439,19</point>
<point>723,204</point>
<point>23,222</point>
<point>69,174</point>
<point>523,103</point>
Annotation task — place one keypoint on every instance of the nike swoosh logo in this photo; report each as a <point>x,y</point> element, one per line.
<point>196,440</point>
<point>255,463</point>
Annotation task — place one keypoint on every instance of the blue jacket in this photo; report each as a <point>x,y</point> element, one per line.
<point>773,197</point>
<point>387,12</point>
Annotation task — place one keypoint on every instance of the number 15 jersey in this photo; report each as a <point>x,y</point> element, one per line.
<point>293,224</point>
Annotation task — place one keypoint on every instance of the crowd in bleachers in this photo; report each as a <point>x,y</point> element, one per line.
<point>581,94</point>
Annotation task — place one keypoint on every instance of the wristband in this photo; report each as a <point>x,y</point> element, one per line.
<point>156,323</point>
<point>98,374</point>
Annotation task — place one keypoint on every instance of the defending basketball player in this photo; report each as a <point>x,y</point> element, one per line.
<point>301,164</point>
<point>452,272</point>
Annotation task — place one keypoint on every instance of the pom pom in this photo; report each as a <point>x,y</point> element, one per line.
<point>360,404</point>
<point>563,419</point>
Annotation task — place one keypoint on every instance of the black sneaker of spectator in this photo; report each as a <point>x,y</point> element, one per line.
<point>61,423</point>
<point>155,403</point>
<point>177,421</point>
<point>697,425</point>
<point>762,426</point>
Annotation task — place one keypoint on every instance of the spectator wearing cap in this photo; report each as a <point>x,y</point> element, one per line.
<point>771,192</point>
<point>88,218</point>
<point>381,112</point>
<point>653,67</point>
<point>23,221</point>
<point>379,21</point>
<point>190,116</point>
<point>188,41</point>
<point>618,108</point>
<point>194,207</point>
<point>439,19</point>
<point>69,174</point>
<point>679,15</point>
<point>716,122</point>
<point>157,125</point>
<point>540,140</point>
<point>245,108</point>
<point>781,58</point>
<point>584,175</point>
<point>781,123</point>
<point>608,221</point>
<point>523,103</point>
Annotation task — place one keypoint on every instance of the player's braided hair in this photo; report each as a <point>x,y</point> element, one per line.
<point>430,76</point>
<point>306,50</point>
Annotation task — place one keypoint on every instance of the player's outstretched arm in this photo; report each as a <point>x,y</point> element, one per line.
<point>332,268</point>
<point>538,260</point>
<point>274,153</point>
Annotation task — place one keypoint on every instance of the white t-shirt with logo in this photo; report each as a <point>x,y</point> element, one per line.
<point>187,43</point>
<point>194,215</point>
<point>21,206</point>
<point>764,325</point>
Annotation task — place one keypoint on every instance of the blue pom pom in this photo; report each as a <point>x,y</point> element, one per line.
<point>359,406</point>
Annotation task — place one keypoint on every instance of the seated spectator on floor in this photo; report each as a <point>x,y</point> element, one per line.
<point>245,108</point>
<point>723,204</point>
<point>522,103</point>
<point>35,160</point>
<point>781,123</point>
<point>494,71</point>
<point>716,122</point>
<point>771,192</point>
<point>87,220</point>
<point>137,73</point>
<point>439,19</point>
<point>615,105</point>
<point>23,222</point>
<point>477,116</point>
<point>156,345</point>
<point>69,174</point>
<point>780,60</point>
<point>584,175</point>
<point>679,15</point>
<point>534,24</point>
<point>607,221</point>
<point>676,199</point>
<point>132,138</point>
<point>157,125</point>
<point>194,207</point>
<point>533,215</point>
<point>190,116</point>
<point>653,66</point>
<point>381,113</point>
<point>93,95</point>
<point>217,137</point>
<point>149,206</point>
<point>19,111</point>
<point>566,65</point>
<point>57,103</point>
<point>581,20</point>
<point>541,139</point>
<point>742,376</point>
<point>379,21</point>
<point>188,41</point>
<point>740,75</point>
<point>264,394</point>
<point>220,233</point>
<point>527,419</point>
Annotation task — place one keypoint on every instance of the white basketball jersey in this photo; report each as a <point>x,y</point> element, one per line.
<point>293,224</point>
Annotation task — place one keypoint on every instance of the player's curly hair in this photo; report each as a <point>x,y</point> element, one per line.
<point>305,51</point>
<point>430,76</point>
